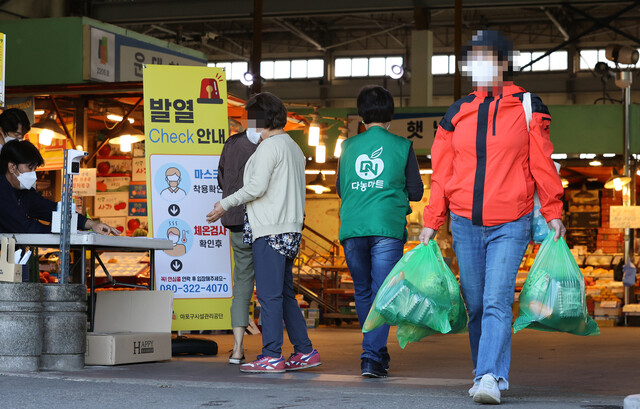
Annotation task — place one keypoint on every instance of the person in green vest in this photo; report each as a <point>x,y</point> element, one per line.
<point>377,176</point>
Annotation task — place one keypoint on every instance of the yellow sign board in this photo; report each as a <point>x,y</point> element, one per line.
<point>186,125</point>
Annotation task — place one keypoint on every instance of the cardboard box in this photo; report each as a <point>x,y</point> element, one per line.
<point>130,327</point>
<point>9,271</point>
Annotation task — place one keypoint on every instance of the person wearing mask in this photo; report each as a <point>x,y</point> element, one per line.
<point>22,206</point>
<point>378,175</point>
<point>235,153</point>
<point>274,194</point>
<point>488,158</point>
<point>14,124</point>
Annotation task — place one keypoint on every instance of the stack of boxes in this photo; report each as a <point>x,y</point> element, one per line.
<point>609,240</point>
<point>311,316</point>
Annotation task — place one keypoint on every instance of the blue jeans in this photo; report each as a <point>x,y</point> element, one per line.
<point>274,289</point>
<point>370,259</point>
<point>489,258</point>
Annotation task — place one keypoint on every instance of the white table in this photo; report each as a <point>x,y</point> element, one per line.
<point>94,243</point>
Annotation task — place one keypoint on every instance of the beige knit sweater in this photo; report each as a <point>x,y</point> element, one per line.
<point>274,188</point>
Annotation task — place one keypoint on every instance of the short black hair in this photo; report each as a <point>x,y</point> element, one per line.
<point>375,104</point>
<point>19,152</point>
<point>266,106</point>
<point>10,118</point>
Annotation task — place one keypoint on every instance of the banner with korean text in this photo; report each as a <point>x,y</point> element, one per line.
<point>186,126</point>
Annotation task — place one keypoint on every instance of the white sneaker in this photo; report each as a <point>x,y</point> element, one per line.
<point>474,388</point>
<point>488,391</point>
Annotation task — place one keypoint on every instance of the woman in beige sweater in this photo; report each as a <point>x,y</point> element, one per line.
<point>274,192</point>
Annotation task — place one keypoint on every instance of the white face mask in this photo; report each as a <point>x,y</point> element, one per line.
<point>484,72</point>
<point>27,180</point>
<point>174,239</point>
<point>253,135</point>
<point>8,139</point>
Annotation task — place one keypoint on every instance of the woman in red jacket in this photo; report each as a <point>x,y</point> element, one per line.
<point>486,167</point>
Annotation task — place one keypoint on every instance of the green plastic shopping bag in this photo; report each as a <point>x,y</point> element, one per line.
<point>421,296</point>
<point>553,297</point>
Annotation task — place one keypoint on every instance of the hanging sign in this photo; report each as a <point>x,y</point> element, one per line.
<point>624,217</point>
<point>186,126</point>
<point>420,128</point>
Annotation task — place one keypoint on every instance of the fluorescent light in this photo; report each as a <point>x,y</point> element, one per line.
<point>595,162</point>
<point>316,171</point>
<point>426,171</point>
<point>609,155</point>
<point>118,118</point>
<point>38,112</point>
<point>338,149</point>
<point>587,155</point>
<point>558,156</point>
<point>321,153</point>
<point>314,134</point>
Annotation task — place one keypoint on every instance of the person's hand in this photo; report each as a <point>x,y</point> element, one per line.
<point>101,228</point>
<point>217,212</point>
<point>427,234</point>
<point>558,226</point>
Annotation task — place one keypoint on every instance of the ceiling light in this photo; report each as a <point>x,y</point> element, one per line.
<point>617,181</point>
<point>558,156</point>
<point>595,162</point>
<point>321,153</point>
<point>125,136</point>
<point>396,72</point>
<point>38,112</point>
<point>343,136</point>
<point>609,155</point>
<point>47,129</point>
<point>314,130</point>
<point>315,172</point>
<point>565,182</point>
<point>246,79</point>
<point>426,171</point>
<point>118,118</point>
<point>319,184</point>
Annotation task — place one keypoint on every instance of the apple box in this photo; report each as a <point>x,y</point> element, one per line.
<point>130,327</point>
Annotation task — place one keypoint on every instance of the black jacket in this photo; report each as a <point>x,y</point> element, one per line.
<point>20,210</point>
<point>235,153</point>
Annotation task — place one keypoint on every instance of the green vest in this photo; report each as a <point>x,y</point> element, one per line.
<point>373,188</point>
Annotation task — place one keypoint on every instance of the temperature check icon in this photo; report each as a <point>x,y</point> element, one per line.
<point>209,93</point>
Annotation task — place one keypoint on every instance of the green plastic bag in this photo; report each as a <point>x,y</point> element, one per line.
<point>553,297</point>
<point>421,296</point>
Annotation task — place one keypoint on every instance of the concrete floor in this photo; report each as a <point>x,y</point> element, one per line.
<point>549,370</point>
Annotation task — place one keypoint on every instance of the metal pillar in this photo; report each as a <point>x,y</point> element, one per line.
<point>256,52</point>
<point>64,259</point>
<point>457,78</point>
<point>624,81</point>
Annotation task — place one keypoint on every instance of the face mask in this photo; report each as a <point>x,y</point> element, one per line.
<point>174,238</point>
<point>253,135</point>
<point>27,180</point>
<point>8,139</point>
<point>483,72</point>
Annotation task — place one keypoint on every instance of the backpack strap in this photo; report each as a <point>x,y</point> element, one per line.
<point>526,104</point>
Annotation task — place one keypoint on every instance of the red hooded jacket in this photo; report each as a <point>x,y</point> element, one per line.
<point>487,165</point>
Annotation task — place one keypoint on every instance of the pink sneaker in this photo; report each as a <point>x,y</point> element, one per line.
<point>264,364</point>
<point>303,361</point>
